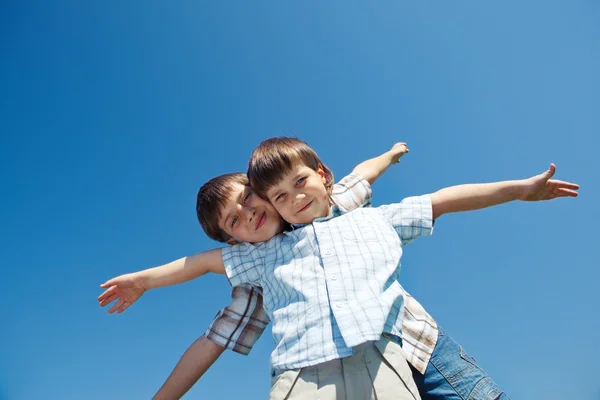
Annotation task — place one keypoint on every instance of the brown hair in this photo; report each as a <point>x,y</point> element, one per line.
<point>212,198</point>
<point>275,157</point>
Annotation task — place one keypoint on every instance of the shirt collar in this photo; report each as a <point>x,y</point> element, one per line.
<point>334,211</point>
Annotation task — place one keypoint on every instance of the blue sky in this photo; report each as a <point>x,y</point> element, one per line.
<point>113,114</point>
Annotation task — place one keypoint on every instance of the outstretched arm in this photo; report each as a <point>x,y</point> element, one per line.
<point>477,196</point>
<point>373,168</point>
<point>193,364</point>
<point>236,327</point>
<point>126,289</point>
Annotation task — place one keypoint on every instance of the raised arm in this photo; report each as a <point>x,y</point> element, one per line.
<point>126,289</point>
<point>236,327</point>
<point>373,168</point>
<point>193,364</point>
<point>476,196</point>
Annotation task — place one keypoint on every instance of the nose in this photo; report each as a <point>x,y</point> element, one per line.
<point>250,212</point>
<point>298,198</point>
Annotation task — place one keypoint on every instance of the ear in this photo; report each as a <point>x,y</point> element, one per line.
<point>232,242</point>
<point>322,174</point>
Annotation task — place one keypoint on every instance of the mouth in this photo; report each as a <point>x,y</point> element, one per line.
<point>261,221</point>
<point>306,207</point>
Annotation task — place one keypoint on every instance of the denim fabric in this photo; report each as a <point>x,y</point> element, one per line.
<point>454,375</point>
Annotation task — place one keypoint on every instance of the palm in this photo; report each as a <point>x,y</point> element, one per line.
<point>125,290</point>
<point>541,187</point>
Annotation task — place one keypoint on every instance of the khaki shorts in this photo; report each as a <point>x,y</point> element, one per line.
<point>376,370</point>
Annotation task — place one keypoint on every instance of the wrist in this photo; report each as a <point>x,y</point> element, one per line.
<point>144,278</point>
<point>392,157</point>
<point>519,189</point>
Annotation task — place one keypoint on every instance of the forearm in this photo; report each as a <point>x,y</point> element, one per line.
<point>183,269</point>
<point>193,364</point>
<point>373,168</point>
<point>474,196</point>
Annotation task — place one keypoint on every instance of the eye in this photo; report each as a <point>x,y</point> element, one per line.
<point>299,181</point>
<point>279,196</point>
<point>246,197</point>
<point>234,221</point>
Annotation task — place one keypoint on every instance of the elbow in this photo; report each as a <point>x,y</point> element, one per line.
<point>359,172</point>
<point>438,208</point>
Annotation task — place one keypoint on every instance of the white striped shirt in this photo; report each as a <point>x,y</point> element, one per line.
<point>332,285</point>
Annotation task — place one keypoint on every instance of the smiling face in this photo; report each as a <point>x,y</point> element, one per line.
<point>301,196</point>
<point>248,218</point>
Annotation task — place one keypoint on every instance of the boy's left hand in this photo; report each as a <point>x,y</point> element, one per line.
<point>541,187</point>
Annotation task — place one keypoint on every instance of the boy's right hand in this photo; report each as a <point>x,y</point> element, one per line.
<point>397,151</point>
<point>126,289</point>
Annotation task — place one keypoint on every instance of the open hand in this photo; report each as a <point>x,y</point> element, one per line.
<point>397,151</point>
<point>541,187</point>
<point>124,289</point>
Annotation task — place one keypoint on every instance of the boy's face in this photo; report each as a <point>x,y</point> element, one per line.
<point>301,196</point>
<point>248,218</point>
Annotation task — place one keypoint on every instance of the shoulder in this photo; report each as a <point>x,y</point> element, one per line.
<point>408,203</point>
<point>351,192</point>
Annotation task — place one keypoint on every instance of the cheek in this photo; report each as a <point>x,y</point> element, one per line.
<point>238,234</point>
<point>280,208</point>
<point>286,214</point>
<point>318,189</point>
<point>320,192</point>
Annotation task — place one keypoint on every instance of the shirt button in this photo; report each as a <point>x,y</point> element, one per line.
<point>327,252</point>
<point>333,277</point>
<point>339,305</point>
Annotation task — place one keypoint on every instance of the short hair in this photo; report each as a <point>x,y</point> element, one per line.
<point>212,199</point>
<point>275,157</point>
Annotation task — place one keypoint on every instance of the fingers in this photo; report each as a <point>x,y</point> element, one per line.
<point>108,300</point>
<point>117,306</point>
<point>107,293</point>
<point>399,145</point>
<point>563,189</point>
<point>108,283</point>
<point>564,184</point>
<point>123,307</point>
<point>551,170</point>
<point>563,192</point>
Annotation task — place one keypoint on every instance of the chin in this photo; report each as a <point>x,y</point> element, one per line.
<point>304,221</point>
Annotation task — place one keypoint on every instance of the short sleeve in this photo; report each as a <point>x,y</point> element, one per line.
<point>352,192</point>
<point>239,325</point>
<point>411,218</point>
<point>243,264</point>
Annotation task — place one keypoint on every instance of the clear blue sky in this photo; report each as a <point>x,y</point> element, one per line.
<point>112,115</point>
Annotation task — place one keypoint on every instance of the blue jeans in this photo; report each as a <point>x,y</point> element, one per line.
<point>454,375</point>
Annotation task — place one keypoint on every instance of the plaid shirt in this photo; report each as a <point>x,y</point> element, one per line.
<point>239,325</point>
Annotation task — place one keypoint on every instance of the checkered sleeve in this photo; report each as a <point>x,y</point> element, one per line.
<point>243,263</point>
<point>352,192</point>
<point>411,218</point>
<point>238,326</point>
